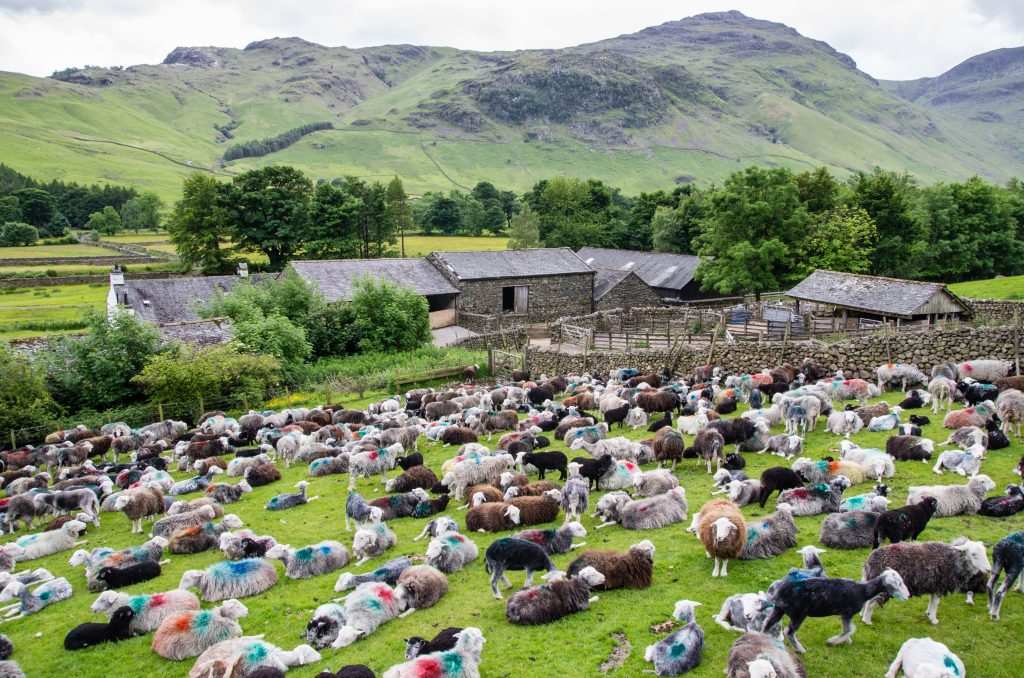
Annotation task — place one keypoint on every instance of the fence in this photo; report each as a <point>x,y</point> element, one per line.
<point>504,362</point>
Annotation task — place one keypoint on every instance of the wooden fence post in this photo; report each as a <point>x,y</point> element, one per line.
<point>202,409</point>
<point>1016,340</point>
<point>14,441</point>
<point>785,338</point>
<point>160,410</point>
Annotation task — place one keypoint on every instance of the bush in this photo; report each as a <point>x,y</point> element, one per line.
<point>330,330</point>
<point>24,400</point>
<point>389,317</point>
<point>17,234</point>
<point>273,335</point>
<point>378,371</point>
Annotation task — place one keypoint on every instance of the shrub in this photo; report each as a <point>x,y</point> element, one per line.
<point>24,400</point>
<point>17,234</point>
<point>330,330</point>
<point>273,335</point>
<point>389,317</point>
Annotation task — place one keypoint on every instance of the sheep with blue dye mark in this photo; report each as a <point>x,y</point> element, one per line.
<point>310,561</point>
<point>816,499</point>
<point>30,602</point>
<point>33,546</point>
<point>862,501</point>
<point>812,567</point>
<point>557,599</point>
<point>287,501</point>
<point>682,650</point>
<point>759,655</point>
<point>475,471</point>
<point>368,607</point>
<point>231,579</point>
<point>954,500</point>
<point>450,552</point>
<point>462,661</point>
<point>367,464</point>
<point>387,573</point>
<point>249,656</point>
<point>770,536</point>
<point>189,634</point>
<point>852,529</point>
<point>371,540</point>
<point>926,658</point>
<point>150,609</point>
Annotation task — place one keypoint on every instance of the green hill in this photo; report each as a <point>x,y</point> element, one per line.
<point>688,100</point>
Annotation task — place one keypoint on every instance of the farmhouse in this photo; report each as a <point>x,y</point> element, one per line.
<point>853,298</point>
<point>669,275</point>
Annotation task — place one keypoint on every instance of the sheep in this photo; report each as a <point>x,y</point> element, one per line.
<point>722,530</point>
<point>127,575</point>
<point>231,579</point>
<point>557,599</point>
<point>743,492</point>
<point>510,553</point>
<point>415,477</point>
<point>408,461</point>
<point>943,390</point>
<point>360,511</point>
<point>182,506</point>
<point>534,489</point>
<point>189,634</point>
<point>22,508</point>
<point>475,471</point>
<point>33,546</point>
<point>680,651</point>
<point>983,370</point>
<point>250,656</point>
<point>816,499</point>
<point>387,573</point>
<point>669,445</point>
<point>546,461</point>
<point>371,540</point>
<point>71,501</point>
<point>886,422</point>
<point>399,505</point>
<point>1008,555</point>
<point>647,514</point>
<point>997,440</point>
<point>322,629</point>
<point>906,523</point>
<point>165,527</point>
<point>595,469</point>
<point>30,602</point>
<point>909,448</point>
<point>759,655</point>
<point>904,374</point>
<point>450,552</point>
<point>710,446</point>
<point>457,435</point>
<point>868,499</point>
<point>310,561</point>
<point>967,436</point>
<point>742,612</point>
<point>444,640</point>
<point>916,399</point>
<point>244,544</point>
<point>859,462</point>
<point>287,501</point>
<point>954,500</point>
<point>436,527</point>
<point>150,610</point>
<point>965,462</point>
<point>431,507</point>
<point>654,482</point>
<point>589,433</point>
<point>420,587</point>
<point>92,633</point>
<point>1010,407</point>
<point>636,418</point>
<point>979,415</point>
<point>194,484</point>
<point>770,536</point>
<point>539,509</point>
<point>825,597</point>
<point>1010,504</point>
<point>819,472</point>
<point>368,607</point>
<point>461,661</point>
<point>223,493</point>
<point>150,550</point>
<point>932,568</point>
<point>366,464</point>
<point>632,570</point>
<point>261,474</point>
<point>785,446</point>
<point>925,658</point>
<point>777,478</point>
<point>693,424</point>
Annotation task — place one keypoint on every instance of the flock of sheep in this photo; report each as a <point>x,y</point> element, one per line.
<point>488,484</point>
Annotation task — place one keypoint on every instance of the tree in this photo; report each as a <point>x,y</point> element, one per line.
<point>273,335</point>
<point>105,222</point>
<point>509,206</point>
<point>888,198</point>
<point>14,234</point>
<point>268,211</point>
<point>333,224</point>
<point>24,400</point>
<point>198,224</point>
<point>486,194</point>
<point>676,230</point>
<point>819,191</point>
<point>142,212</point>
<point>287,295</point>
<point>443,216</point>
<point>524,231</point>
<point>840,240</point>
<point>9,209</point>
<point>389,317</point>
<point>56,227</point>
<point>37,206</point>
<point>493,220</point>
<point>209,373</point>
<point>398,209</point>
<point>572,212</point>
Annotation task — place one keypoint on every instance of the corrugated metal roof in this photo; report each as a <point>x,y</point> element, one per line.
<point>657,269</point>
<point>512,263</point>
<point>882,296</point>
<point>605,280</point>
<point>335,277</point>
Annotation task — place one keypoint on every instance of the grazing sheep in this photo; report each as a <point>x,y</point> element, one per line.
<point>633,569</point>
<point>925,658</point>
<point>557,599</point>
<point>826,597</point>
<point>722,530</point>
<point>231,579</point>
<point>651,483</point>
<point>371,540</point>
<point>954,500</point>
<point>770,536</point>
<point>30,602</point>
<point>931,568</point>
<point>777,478</point>
<point>909,448</point>
<point>1010,504</point>
<point>43,544</point>
<point>189,634</point>
<point>387,573</point>
<point>368,607</point>
<point>1008,555</point>
<point>450,552</point>
<point>510,553</point>
<point>150,610</point>
<point>444,640</point>
<point>905,523</point>
<point>943,391</point>
<point>816,499</point>
<point>680,651</point>
<point>287,501</point>
<point>759,655</point>
<point>250,656</point>
<point>461,661</point>
<point>310,561</point>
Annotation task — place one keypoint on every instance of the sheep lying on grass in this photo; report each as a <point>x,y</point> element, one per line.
<point>557,599</point>
<point>150,610</point>
<point>680,651</point>
<point>188,635</point>
<point>633,569</point>
<point>924,657</point>
<point>250,656</point>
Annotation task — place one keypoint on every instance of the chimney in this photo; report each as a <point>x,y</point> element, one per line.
<point>116,276</point>
<point>243,269</point>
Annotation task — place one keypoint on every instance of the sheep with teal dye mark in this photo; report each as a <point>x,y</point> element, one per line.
<point>852,529</point>
<point>32,546</point>
<point>1008,555</point>
<point>287,501</point>
<point>770,536</point>
<point>150,609</point>
<point>30,602</point>
<point>231,579</point>
<point>462,661</point>
<point>366,609</point>
<point>366,464</point>
<point>188,635</point>
<point>242,656</point>
<point>681,651</point>
<point>313,560</point>
<point>371,540</point>
<point>450,552</point>
<point>926,658</point>
<point>387,573</point>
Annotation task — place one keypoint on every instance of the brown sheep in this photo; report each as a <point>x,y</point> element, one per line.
<point>457,435</point>
<point>657,401</point>
<point>489,495</point>
<point>506,420</point>
<point>724,532</point>
<point>668,446</point>
<point>441,408</point>
<point>100,445</point>
<point>416,476</point>
<point>569,423</point>
<point>538,510</point>
<point>652,380</point>
<point>630,570</point>
<point>203,466</point>
<point>261,475</point>
<point>492,517</point>
<point>867,412</point>
<point>1006,383</point>
<point>534,489</point>
<point>143,502</point>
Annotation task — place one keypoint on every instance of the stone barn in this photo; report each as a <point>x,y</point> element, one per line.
<point>621,289</point>
<point>669,275</point>
<point>528,286</point>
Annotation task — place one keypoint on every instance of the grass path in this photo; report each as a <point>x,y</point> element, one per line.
<point>574,646</point>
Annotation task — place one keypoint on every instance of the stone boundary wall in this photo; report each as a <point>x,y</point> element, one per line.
<point>81,261</point>
<point>599,320</point>
<point>56,281</point>
<point>996,309</point>
<point>511,339</point>
<point>856,357</point>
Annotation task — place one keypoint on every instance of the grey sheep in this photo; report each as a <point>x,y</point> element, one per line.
<point>548,603</point>
<point>850,529</point>
<point>165,527</point>
<point>954,500</point>
<point>817,499</point>
<point>770,536</point>
<point>743,492</point>
<point>682,650</point>
<point>360,511</point>
<point>387,573</point>
<point>758,655</point>
<point>224,493</point>
<point>231,579</point>
<point>371,540</point>
<point>420,587</point>
<point>326,466</point>
<point>437,527</point>
<point>287,501</point>
<point>742,612</point>
<point>182,506</point>
<point>651,483</point>
<point>575,494</point>
<point>450,552</point>
<point>310,561</point>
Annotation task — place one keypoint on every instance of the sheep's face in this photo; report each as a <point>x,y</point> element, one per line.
<point>685,610</point>
<point>894,584</point>
<point>512,513</point>
<point>80,557</point>
<point>75,527</point>
<point>435,549</point>
<point>983,481</point>
<point>977,558</point>
<point>646,547</point>
<point>751,605</point>
<point>232,609</point>
<point>121,502</point>
<point>279,551</point>
<point>761,668</point>
<point>591,576</point>
<point>554,495</point>
<point>722,476</point>
<point>106,601</point>
<point>723,528</point>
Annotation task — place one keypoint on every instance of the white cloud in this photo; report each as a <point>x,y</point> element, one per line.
<point>899,40</point>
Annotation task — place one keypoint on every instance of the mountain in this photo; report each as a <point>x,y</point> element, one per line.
<point>688,100</point>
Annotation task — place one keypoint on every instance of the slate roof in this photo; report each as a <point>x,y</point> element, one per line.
<point>335,277</point>
<point>172,300</point>
<point>605,280</point>
<point>198,332</point>
<point>657,269</point>
<point>883,296</point>
<point>512,263</point>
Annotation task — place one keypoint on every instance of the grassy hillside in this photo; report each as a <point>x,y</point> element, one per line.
<point>689,100</point>
<point>996,288</point>
<point>576,645</point>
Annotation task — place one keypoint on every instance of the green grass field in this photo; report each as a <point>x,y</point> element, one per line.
<point>41,251</point>
<point>422,245</point>
<point>995,288</point>
<point>46,304</point>
<point>573,646</point>
<point>138,238</point>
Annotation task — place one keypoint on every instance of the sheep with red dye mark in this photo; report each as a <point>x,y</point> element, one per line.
<point>188,635</point>
<point>816,499</point>
<point>979,415</point>
<point>367,464</point>
<point>368,607</point>
<point>462,661</point>
<point>983,370</point>
<point>150,609</point>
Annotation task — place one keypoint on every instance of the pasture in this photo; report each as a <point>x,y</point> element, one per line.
<point>995,288</point>
<point>35,309</point>
<point>53,251</point>
<point>573,646</point>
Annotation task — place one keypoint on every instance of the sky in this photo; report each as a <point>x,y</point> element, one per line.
<point>889,39</point>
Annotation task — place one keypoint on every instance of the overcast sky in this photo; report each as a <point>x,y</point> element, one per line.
<point>890,39</point>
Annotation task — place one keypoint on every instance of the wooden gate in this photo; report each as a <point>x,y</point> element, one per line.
<point>503,362</point>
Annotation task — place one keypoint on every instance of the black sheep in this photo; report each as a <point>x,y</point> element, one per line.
<point>252,548</point>
<point>913,401</point>
<point>6,648</point>
<point>659,424</point>
<point>92,633</point>
<point>594,469</point>
<point>997,440</point>
<point>616,415</point>
<point>247,451</point>
<point>771,389</point>
<point>267,672</point>
<point>442,642</point>
<point>408,461</point>
<point>545,461</point>
<point>978,392</point>
<point>727,406</point>
<point>136,573</point>
<point>735,431</point>
<point>919,420</point>
<point>777,478</point>
<point>540,442</point>
<point>511,553</point>
<point>904,523</point>
<point>347,671</point>
<point>734,461</point>
<point>1010,504</point>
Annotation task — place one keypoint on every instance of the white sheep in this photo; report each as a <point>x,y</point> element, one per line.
<point>368,607</point>
<point>366,464</point>
<point>965,462</point>
<point>43,544</point>
<point>844,423</point>
<point>150,610</point>
<point>954,500</point>
<point>471,472</point>
<point>926,658</point>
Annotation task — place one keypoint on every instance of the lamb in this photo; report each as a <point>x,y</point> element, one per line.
<point>368,607</point>
<point>30,602</point>
<point>250,656</point>
<point>646,514</point>
<point>150,610</point>
<point>287,501</point>
<point>415,477</point>
<point>680,651</point>
<point>595,469</point>
<point>462,661</point>
<point>983,370</point>
<point>43,544</point>
<point>445,640</point>
<point>954,500</point>
<point>224,493</point>
<point>366,464</point>
<point>310,561</point>
<point>360,511</point>
<point>915,400</point>
<point>785,446</point>
<point>420,587</point>
<point>92,633</point>
<point>189,634</point>
<point>436,527</point>
<point>770,536</point>
<point>1008,555</point>
<point>924,657</point>
<point>965,462</point>
<point>825,597</point>
<point>165,527</point>
<point>510,553</point>
<point>546,461</point>
<point>387,573</point>
<point>231,579</point>
<point>633,569</point>
<point>722,530</point>
<point>979,415</point>
<point>725,476</point>
<point>557,599</point>
<point>555,541</point>
<point>743,492</point>
<point>909,448</point>
<point>710,446</point>
<point>817,499</point>
<point>371,540</point>
<point>651,483</point>
<point>450,552</point>
<point>932,568</point>
<point>759,655</point>
<point>1010,504</point>
<point>777,478</point>
<point>904,523</point>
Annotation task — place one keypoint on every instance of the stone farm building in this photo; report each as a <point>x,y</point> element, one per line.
<point>851,297</point>
<point>669,275</point>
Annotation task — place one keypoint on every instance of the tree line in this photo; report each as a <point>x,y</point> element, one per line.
<point>261,147</point>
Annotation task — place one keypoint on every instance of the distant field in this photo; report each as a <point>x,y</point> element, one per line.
<point>422,245</point>
<point>138,238</point>
<point>59,305</point>
<point>996,288</point>
<point>88,269</point>
<point>39,251</point>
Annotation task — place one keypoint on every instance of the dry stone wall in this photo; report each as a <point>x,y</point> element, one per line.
<point>1000,310</point>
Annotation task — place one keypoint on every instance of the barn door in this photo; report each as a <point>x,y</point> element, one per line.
<point>522,299</point>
